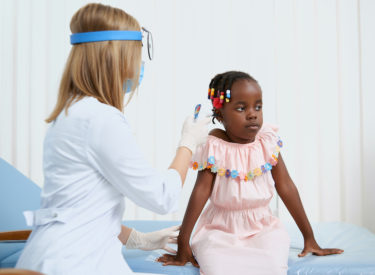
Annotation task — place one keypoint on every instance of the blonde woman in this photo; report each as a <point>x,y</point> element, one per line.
<point>91,160</point>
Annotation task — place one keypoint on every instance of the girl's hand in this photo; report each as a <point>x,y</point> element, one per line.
<point>314,248</point>
<point>183,256</point>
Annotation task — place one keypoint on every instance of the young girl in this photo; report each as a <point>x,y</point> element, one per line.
<point>238,169</point>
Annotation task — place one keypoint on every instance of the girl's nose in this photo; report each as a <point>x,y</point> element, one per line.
<point>251,115</point>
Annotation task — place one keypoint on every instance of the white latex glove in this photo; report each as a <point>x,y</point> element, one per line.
<point>194,132</point>
<point>153,240</point>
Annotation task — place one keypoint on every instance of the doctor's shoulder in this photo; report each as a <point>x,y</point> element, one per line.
<point>92,108</point>
<point>103,115</point>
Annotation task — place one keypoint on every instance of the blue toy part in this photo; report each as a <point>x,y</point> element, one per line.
<point>196,111</point>
<point>85,37</point>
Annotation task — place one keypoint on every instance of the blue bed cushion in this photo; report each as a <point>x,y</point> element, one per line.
<point>358,258</point>
<point>9,253</point>
<point>17,194</point>
<point>358,244</point>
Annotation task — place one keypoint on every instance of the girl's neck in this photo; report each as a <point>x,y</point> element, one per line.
<point>238,140</point>
<point>222,134</point>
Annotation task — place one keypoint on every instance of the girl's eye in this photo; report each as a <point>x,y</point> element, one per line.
<point>240,109</point>
<point>258,107</point>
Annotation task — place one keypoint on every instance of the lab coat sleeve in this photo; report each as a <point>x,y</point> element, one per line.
<point>113,152</point>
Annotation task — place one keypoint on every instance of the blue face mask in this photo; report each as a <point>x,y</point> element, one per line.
<point>129,83</point>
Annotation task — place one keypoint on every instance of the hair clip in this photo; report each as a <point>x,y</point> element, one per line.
<point>209,93</point>
<point>228,96</point>
<point>222,97</point>
<point>212,92</point>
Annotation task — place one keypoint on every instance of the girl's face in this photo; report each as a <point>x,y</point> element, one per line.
<point>242,117</point>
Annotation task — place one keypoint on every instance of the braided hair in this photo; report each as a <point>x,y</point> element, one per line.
<point>220,84</point>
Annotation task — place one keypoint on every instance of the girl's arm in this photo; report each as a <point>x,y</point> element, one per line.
<point>289,194</point>
<point>201,192</point>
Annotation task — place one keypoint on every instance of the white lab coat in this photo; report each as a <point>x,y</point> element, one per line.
<point>91,162</point>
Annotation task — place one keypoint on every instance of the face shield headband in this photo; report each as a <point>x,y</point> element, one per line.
<point>86,37</point>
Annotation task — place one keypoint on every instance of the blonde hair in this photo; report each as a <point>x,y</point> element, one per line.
<point>99,69</point>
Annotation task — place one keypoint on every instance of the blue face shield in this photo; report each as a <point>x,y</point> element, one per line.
<point>86,37</point>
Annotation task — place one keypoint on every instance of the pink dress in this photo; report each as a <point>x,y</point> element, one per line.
<point>237,233</point>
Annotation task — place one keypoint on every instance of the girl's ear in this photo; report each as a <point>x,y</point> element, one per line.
<point>218,115</point>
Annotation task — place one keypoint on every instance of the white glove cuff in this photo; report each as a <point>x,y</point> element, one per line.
<point>135,240</point>
<point>188,143</point>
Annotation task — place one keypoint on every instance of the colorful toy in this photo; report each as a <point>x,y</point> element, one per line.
<point>196,111</point>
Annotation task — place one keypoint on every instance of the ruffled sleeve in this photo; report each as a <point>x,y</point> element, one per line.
<point>241,161</point>
<point>270,142</point>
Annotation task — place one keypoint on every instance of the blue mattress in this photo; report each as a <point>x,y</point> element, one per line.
<point>358,244</point>
<point>358,258</point>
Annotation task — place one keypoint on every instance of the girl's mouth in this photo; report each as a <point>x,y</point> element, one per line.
<point>252,127</point>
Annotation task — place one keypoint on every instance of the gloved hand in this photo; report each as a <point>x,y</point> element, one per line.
<point>194,132</point>
<point>153,240</point>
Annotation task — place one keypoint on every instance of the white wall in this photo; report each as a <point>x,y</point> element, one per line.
<point>313,58</point>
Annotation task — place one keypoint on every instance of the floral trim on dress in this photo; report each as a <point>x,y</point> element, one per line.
<point>246,176</point>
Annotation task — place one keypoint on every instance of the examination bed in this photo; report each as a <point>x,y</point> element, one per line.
<point>17,193</point>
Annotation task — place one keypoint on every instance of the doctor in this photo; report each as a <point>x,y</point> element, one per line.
<point>91,160</point>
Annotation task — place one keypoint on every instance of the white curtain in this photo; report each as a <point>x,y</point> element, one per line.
<point>313,58</point>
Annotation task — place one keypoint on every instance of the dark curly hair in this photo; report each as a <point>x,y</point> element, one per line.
<point>223,82</point>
